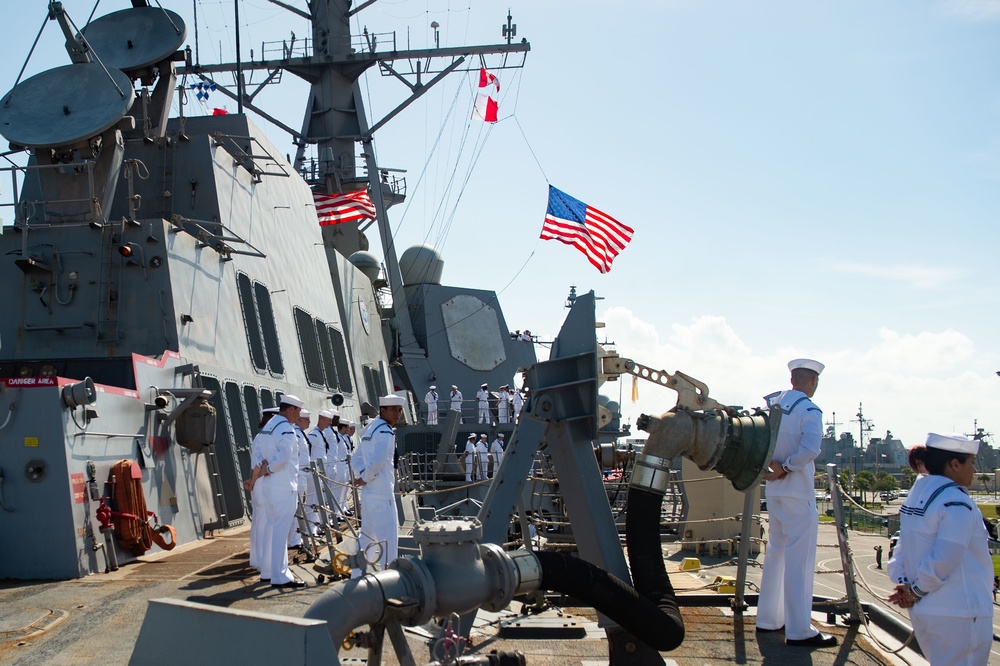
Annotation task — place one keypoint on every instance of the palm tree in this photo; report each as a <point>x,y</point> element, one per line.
<point>909,476</point>
<point>864,481</point>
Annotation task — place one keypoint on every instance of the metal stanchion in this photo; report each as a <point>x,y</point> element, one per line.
<point>847,564</point>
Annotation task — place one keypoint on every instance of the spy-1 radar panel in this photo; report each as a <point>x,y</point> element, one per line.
<point>65,105</point>
<point>133,39</point>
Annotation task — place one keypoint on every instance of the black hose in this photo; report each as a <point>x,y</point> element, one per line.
<point>645,556</point>
<point>613,597</point>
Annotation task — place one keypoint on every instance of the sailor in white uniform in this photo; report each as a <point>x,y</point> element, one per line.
<point>279,487</point>
<point>786,587</point>
<point>320,443</point>
<point>258,517</point>
<point>496,452</point>
<point>517,402</point>
<point>432,405</point>
<point>379,523</point>
<point>301,427</point>
<point>482,456</point>
<point>941,564</point>
<point>503,406</point>
<point>343,475</point>
<point>351,469</point>
<point>470,456</point>
<point>483,396</point>
<point>456,400</point>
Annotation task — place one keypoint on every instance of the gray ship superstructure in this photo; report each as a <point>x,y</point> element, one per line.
<point>156,266</point>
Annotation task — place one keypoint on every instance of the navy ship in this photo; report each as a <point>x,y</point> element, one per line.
<point>168,278</point>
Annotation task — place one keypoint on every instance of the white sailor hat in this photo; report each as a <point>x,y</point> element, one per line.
<point>472,435</point>
<point>304,414</point>
<point>326,413</point>
<point>952,442</point>
<point>806,363</point>
<point>353,424</point>
<point>343,424</point>
<point>288,399</point>
<point>484,436</point>
<point>484,385</point>
<point>391,401</point>
<point>454,386</point>
<point>433,388</point>
<point>271,410</point>
<point>500,435</point>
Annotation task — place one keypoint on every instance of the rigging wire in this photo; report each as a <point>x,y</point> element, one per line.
<point>92,12</point>
<point>531,150</point>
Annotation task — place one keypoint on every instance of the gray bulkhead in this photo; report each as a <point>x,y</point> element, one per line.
<point>178,290</point>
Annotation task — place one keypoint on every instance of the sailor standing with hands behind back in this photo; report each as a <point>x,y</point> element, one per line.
<point>432,405</point>
<point>941,564</point>
<point>379,523</point>
<point>279,486</point>
<point>786,587</point>
<point>456,401</point>
<point>483,397</point>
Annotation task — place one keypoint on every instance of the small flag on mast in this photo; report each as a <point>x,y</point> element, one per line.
<point>346,207</point>
<point>486,107</point>
<point>598,235</point>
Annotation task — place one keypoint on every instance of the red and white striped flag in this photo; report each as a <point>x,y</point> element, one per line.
<point>486,104</point>
<point>347,207</point>
<point>598,235</point>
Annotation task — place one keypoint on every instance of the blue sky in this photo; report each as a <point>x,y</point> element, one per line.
<point>804,179</point>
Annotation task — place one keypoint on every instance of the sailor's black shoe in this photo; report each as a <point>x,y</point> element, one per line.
<point>296,583</point>
<point>819,640</point>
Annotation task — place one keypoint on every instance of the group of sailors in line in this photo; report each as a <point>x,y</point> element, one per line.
<point>479,455</point>
<point>508,403</point>
<point>282,486</point>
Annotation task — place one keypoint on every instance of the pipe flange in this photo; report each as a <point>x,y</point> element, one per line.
<point>424,588</point>
<point>448,531</point>
<point>501,572</point>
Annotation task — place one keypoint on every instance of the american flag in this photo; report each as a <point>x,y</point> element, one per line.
<point>347,207</point>
<point>596,234</point>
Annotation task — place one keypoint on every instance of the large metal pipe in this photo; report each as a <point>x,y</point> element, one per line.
<point>353,603</point>
<point>738,446</point>
<point>455,574</point>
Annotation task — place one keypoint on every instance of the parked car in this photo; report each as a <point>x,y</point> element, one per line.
<point>893,540</point>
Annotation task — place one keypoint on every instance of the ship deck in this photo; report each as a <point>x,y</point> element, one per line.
<point>97,619</point>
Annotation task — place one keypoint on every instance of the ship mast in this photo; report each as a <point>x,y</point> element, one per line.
<point>335,117</point>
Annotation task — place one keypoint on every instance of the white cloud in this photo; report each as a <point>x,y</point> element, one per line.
<point>907,355</point>
<point>909,383</point>
<point>918,276</point>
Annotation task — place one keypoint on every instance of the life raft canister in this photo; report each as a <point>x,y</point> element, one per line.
<point>195,427</point>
